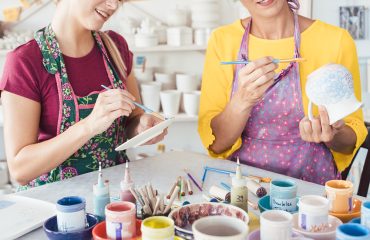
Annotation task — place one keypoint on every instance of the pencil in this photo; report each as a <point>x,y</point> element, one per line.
<point>193,180</point>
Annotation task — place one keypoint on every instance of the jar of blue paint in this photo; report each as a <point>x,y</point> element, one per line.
<point>283,195</point>
<point>71,214</point>
<point>352,231</point>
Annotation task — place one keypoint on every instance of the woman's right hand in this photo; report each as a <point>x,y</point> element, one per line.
<point>109,106</point>
<point>253,81</point>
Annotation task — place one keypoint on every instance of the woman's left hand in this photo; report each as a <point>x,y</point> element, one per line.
<point>318,129</point>
<point>147,121</point>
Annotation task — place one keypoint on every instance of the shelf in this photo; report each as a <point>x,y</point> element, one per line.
<point>166,48</point>
<point>183,117</point>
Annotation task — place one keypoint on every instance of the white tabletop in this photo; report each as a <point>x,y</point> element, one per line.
<point>161,170</point>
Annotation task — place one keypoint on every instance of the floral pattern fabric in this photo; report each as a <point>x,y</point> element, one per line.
<point>73,109</point>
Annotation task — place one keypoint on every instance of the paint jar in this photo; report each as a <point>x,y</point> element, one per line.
<point>283,195</point>
<point>352,231</point>
<point>339,193</point>
<point>365,214</point>
<point>159,228</point>
<point>276,224</point>
<point>120,220</point>
<point>71,214</point>
<point>100,199</point>
<point>313,213</point>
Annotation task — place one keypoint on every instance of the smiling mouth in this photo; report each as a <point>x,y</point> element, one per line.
<point>264,2</point>
<point>102,13</point>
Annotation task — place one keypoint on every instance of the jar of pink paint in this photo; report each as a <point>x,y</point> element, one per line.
<point>120,220</point>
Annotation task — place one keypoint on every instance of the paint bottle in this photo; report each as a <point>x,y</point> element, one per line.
<point>239,191</point>
<point>126,184</point>
<point>101,195</point>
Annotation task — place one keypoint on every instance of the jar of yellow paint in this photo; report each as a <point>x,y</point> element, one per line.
<point>158,228</point>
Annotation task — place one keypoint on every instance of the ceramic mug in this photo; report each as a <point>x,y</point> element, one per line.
<point>283,195</point>
<point>365,214</point>
<point>332,86</point>
<point>339,193</point>
<point>352,231</point>
<point>120,220</point>
<point>219,228</point>
<point>170,101</point>
<point>71,214</point>
<point>313,213</point>
<point>276,225</point>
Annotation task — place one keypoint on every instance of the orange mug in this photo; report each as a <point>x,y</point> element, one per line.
<point>339,194</point>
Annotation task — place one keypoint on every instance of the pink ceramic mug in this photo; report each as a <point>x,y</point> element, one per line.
<point>120,220</point>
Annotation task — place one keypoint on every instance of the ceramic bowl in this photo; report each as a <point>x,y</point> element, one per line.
<point>356,212</point>
<point>328,234</point>
<point>185,216</point>
<point>51,229</point>
<point>100,233</point>
<point>256,235</point>
<point>264,204</point>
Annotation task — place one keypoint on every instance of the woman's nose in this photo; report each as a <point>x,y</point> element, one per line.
<point>112,4</point>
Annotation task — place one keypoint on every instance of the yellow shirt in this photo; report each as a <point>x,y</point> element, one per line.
<point>321,43</point>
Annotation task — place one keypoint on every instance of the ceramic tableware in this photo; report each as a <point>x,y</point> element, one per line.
<point>332,86</point>
<point>71,214</point>
<point>264,204</point>
<point>120,220</point>
<point>355,213</point>
<point>339,193</point>
<point>365,214</point>
<point>283,195</point>
<point>170,101</point>
<point>352,231</point>
<point>276,224</point>
<point>313,213</point>
<point>191,103</point>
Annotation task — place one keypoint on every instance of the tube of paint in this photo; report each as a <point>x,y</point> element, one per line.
<point>101,195</point>
<point>256,188</point>
<point>220,193</point>
<point>126,184</point>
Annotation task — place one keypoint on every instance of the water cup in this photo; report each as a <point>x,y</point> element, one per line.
<point>365,214</point>
<point>120,220</point>
<point>283,195</point>
<point>71,214</point>
<point>313,213</point>
<point>276,225</point>
<point>352,231</point>
<point>150,95</point>
<point>219,228</point>
<point>191,103</point>
<point>339,193</point>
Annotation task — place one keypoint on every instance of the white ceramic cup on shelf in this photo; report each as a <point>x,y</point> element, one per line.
<point>170,101</point>
<point>276,225</point>
<point>144,76</point>
<point>332,86</point>
<point>167,80</point>
<point>150,95</point>
<point>219,228</point>
<point>187,82</point>
<point>191,102</point>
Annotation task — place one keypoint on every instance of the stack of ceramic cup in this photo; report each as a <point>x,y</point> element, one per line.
<point>178,34</point>
<point>205,14</point>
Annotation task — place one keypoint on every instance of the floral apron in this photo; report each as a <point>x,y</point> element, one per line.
<point>73,109</point>
<point>271,139</point>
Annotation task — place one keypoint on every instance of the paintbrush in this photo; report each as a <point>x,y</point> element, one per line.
<point>193,180</point>
<point>146,109</point>
<point>275,60</point>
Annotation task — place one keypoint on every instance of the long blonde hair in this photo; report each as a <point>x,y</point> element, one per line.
<point>115,54</point>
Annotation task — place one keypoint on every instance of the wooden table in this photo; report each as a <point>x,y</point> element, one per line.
<point>161,170</point>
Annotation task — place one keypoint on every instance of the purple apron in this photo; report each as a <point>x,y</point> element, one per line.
<point>271,139</point>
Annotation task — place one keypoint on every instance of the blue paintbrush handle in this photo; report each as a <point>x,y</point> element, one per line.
<point>244,62</point>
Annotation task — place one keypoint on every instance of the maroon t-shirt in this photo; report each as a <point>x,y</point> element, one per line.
<point>25,75</point>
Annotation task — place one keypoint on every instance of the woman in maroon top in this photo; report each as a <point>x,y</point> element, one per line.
<point>58,121</point>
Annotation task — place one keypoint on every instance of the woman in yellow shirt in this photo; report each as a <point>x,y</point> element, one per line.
<point>257,111</point>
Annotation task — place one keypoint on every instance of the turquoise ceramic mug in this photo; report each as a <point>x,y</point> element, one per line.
<point>283,195</point>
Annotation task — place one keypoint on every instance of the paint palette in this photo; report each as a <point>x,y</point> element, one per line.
<point>185,216</point>
<point>51,229</point>
<point>146,135</point>
<point>328,233</point>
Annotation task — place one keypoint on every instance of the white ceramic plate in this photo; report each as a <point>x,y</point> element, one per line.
<point>329,234</point>
<point>146,135</point>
